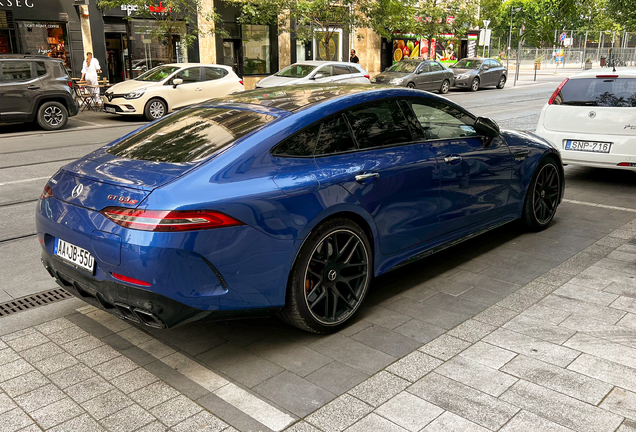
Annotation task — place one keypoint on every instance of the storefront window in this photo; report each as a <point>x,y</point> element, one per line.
<point>256,49</point>
<point>44,38</point>
<point>335,46</point>
<point>301,54</point>
<point>148,50</point>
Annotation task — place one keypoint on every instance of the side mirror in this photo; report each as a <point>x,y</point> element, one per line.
<point>318,75</point>
<point>176,82</point>
<point>485,67</point>
<point>487,127</point>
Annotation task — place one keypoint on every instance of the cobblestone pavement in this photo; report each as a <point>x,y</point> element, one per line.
<point>511,331</point>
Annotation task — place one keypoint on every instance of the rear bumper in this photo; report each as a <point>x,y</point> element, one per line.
<point>135,304</point>
<point>623,149</point>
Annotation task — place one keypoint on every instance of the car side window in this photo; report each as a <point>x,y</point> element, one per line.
<point>326,71</point>
<point>341,70</point>
<point>424,68</point>
<point>302,143</point>
<point>441,121</point>
<point>214,73</point>
<point>40,68</point>
<point>353,70</point>
<point>190,75</point>
<point>335,137</point>
<point>436,67</point>
<point>494,64</point>
<point>16,71</point>
<point>379,124</point>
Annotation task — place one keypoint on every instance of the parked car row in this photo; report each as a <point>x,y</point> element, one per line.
<point>38,88</point>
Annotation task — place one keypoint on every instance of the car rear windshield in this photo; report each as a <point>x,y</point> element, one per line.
<point>404,67</point>
<point>190,135</point>
<point>296,71</point>
<point>603,92</point>
<point>157,74</point>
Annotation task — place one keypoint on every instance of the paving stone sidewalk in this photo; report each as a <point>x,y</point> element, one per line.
<point>559,354</point>
<point>554,351</point>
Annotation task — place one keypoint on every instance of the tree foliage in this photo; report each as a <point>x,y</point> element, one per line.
<point>625,12</point>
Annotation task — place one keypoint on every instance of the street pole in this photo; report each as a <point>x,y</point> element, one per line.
<point>509,41</point>
<point>584,50</point>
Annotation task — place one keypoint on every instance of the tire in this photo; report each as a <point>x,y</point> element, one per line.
<point>411,85</point>
<point>324,276</point>
<point>52,116</point>
<point>542,198</point>
<point>474,86</point>
<point>445,87</point>
<point>502,82</point>
<point>155,109</point>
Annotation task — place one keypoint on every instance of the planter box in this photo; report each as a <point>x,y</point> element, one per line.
<point>537,66</point>
<point>588,65</point>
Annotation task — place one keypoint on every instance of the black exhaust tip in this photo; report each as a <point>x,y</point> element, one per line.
<point>127,312</point>
<point>149,319</point>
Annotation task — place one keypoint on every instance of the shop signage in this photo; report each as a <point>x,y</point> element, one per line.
<point>16,3</point>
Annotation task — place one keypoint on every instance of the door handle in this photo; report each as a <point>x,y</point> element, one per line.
<point>452,159</point>
<point>33,87</point>
<point>198,89</point>
<point>367,176</point>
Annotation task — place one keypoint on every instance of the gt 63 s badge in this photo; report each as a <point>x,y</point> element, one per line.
<point>125,200</point>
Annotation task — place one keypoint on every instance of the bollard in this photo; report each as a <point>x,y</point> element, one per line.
<point>535,71</point>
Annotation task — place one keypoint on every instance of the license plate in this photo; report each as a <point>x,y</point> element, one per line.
<point>588,146</point>
<point>75,255</point>
<point>111,110</point>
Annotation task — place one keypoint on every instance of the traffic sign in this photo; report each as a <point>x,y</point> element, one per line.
<point>563,36</point>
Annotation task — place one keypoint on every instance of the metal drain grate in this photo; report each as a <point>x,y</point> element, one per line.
<point>30,302</point>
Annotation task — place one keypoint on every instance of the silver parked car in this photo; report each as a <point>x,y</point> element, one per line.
<point>476,73</point>
<point>417,73</point>
<point>317,72</point>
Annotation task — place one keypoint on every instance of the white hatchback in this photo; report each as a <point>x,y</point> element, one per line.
<point>168,87</point>
<point>591,120</point>
<point>317,72</point>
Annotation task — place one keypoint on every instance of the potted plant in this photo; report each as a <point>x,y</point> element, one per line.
<point>537,62</point>
<point>588,63</point>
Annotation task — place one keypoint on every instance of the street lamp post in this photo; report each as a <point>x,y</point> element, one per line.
<point>510,36</point>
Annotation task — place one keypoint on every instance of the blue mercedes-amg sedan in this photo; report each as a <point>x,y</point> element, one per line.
<point>284,200</point>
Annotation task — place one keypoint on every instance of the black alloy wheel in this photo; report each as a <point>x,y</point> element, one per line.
<point>474,86</point>
<point>445,87</point>
<point>502,82</point>
<point>330,277</point>
<point>411,85</point>
<point>543,195</point>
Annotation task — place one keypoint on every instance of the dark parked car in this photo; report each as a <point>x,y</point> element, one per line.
<point>474,73</point>
<point>36,88</point>
<point>420,74</point>
<point>284,200</point>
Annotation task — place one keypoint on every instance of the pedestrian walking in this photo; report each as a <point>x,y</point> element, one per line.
<point>354,58</point>
<point>90,71</point>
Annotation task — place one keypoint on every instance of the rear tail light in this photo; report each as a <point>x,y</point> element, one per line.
<point>557,91</point>
<point>627,164</point>
<point>70,84</point>
<point>241,82</point>
<point>47,192</point>
<point>606,76</point>
<point>169,220</point>
<point>130,280</point>
<point>367,77</point>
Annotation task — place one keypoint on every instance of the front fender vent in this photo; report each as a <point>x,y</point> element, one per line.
<point>31,302</point>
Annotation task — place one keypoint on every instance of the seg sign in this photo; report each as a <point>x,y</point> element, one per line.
<point>16,3</point>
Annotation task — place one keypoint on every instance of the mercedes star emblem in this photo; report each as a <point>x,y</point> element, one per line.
<point>332,275</point>
<point>77,190</point>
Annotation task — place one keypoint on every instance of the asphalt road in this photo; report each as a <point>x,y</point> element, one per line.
<point>30,156</point>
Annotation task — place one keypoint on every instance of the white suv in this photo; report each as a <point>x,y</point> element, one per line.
<point>165,88</point>
<point>317,72</point>
<point>591,120</point>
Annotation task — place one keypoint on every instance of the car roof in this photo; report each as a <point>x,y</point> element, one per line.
<point>27,56</point>
<point>606,73</point>
<point>321,63</point>
<point>295,98</point>
<point>182,65</point>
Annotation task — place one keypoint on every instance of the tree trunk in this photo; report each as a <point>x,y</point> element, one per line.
<point>169,36</point>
